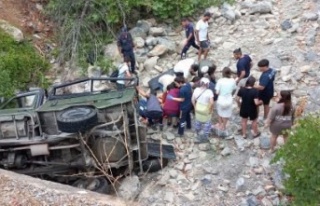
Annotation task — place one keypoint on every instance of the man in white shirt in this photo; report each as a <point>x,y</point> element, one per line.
<point>123,73</point>
<point>186,68</point>
<point>202,36</point>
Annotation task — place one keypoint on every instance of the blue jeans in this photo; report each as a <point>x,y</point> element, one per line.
<point>185,120</point>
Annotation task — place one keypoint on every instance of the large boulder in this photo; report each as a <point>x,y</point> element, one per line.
<point>11,30</point>
<point>150,63</point>
<point>111,51</point>
<point>157,31</point>
<point>151,41</point>
<point>139,42</point>
<point>263,7</point>
<point>138,32</point>
<point>94,71</point>
<point>171,45</point>
<point>144,25</point>
<point>130,188</point>
<point>158,50</point>
<point>228,13</point>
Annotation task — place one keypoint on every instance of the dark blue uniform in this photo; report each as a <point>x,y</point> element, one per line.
<point>189,30</point>
<point>266,80</point>
<point>125,41</point>
<point>185,107</point>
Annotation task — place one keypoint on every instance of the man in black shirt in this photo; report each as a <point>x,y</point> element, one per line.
<point>190,41</point>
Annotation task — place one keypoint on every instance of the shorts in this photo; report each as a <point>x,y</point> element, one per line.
<point>265,100</point>
<point>249,115</point>
<point>204,44</point>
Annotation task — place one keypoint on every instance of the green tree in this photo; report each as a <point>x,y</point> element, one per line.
<point>302,162</point>
<point>20,65</point>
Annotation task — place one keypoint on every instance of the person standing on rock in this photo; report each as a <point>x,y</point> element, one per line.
<point>280,118</point>
<point>202,35</point>
<point>185,95</point>
<point>244,66</point>
<point>190,41</point>
<point>266,87</point>
<point>126,46</point>
<point>224,88</point>
<point>249,106</point>
<point>202,100</point>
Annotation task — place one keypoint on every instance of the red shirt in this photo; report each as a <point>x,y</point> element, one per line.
<point>170,106</point>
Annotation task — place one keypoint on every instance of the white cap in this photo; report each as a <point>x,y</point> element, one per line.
<point>204,80</point>
<point>204,69</point>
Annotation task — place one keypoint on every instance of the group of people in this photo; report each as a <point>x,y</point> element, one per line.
<point>194,89</point>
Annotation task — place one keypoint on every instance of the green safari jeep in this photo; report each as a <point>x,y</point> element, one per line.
<point>88,138</point>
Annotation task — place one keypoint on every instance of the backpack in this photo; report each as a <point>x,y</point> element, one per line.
<point>114,74</point>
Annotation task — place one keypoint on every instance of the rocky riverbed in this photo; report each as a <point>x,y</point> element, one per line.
<point>232,171</point>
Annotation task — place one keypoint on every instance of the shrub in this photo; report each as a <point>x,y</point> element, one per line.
<point>302,161</point>
<point>20,65</point>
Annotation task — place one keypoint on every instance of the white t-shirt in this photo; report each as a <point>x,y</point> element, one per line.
<point>203,96</point>
<point>165,80</point>
<point>183,66</point>
<point>123,73</point>
<point>202,28</point>
<point>225,86</point>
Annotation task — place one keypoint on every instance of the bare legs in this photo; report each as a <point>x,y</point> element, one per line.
<point>273,142</point>
<point>204,52</point>
<point>223,123</point>
<point>254,126</point>
<point>266,109</point>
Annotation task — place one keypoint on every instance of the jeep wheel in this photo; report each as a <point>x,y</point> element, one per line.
<point>154,164</point>
<point>99,185</point>
<point>77,119</point>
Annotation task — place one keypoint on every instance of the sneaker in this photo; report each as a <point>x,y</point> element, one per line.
<point>161,127</point>
<point>183,56</point>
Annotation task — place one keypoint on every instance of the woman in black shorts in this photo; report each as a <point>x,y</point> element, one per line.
<point>249,97</point>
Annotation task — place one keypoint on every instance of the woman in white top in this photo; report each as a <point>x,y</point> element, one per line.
<point>202,100</point>
<point>224,89</point>
<point>123,73</point>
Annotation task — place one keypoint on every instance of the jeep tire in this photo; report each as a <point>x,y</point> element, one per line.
<point>153,164</point>
<point>77,119</point>
<point>99,184</point>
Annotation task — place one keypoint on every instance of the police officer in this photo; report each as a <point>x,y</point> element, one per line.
<point>190,41</point>
<point>125,46</point>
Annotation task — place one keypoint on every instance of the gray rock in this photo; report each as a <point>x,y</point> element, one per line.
<point>265,142</point>
<point>141,52</point>
<point>259,191</point>
<point>139,42</point>
<point>14,32</point>
<point>266,202</point>
<point>252,201</point>
<point>311,37</point>
<point>310,16</point>
<point>150,63</point>
<point>285,70</point>
<point>151,41</point>
<point>158,50</point>
<point>227,12</point>
<point>94,71</point>
<point>253,162</point>
<point>204,147</point>
<point>168,135</point>
<point>286,24</point>
<point>240,184</point>
<point>275,62</point>
<point>141,59</point>
<point>129,188</point>
<point>145,81</point>
<point>169,197</point>
<point>262,7</point>
<point>157,31</point>
<point>144,25</point>
<point>311,56</point>
<point>111,51</point>
<point>138,32</point>
<point>171,45</point>
<point>226,151</point>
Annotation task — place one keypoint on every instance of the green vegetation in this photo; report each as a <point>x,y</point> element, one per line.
<point>302,162</point>
<point>87,25</point>
<point>20,65</point>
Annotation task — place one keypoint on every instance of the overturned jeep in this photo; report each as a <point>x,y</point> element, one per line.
<point>87,138</point>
